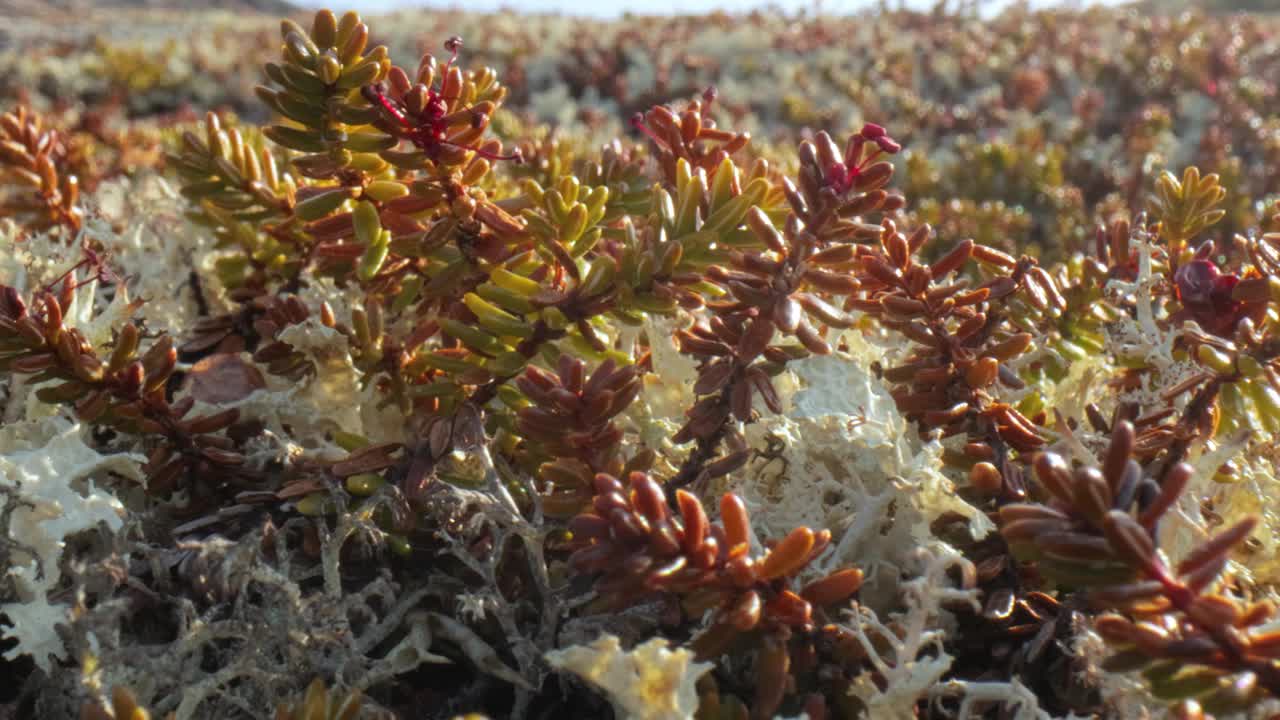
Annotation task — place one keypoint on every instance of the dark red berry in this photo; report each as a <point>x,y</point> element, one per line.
<point>1205,294</point>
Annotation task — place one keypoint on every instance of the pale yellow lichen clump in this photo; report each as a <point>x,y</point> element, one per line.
<point>649,682</point>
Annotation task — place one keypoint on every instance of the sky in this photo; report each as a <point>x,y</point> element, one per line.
<point>614,8</point>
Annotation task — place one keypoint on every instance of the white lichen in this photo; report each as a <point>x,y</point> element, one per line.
<point>845,459</point>
<point>908,652</point>
<point>47,471</point>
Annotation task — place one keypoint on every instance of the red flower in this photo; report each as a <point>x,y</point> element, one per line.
<point>841,176</point>
<point>428,129</point>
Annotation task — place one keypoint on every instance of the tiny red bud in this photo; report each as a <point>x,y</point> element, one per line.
<point>888,145</point>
